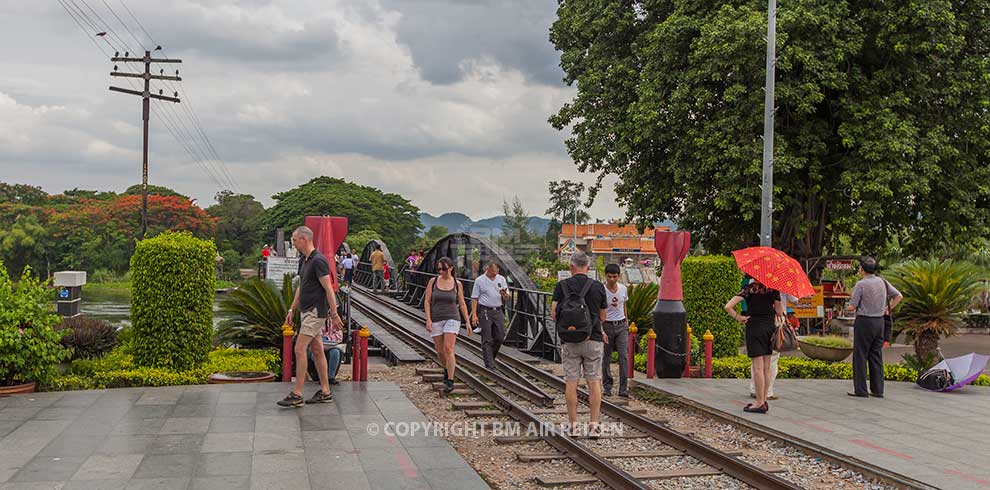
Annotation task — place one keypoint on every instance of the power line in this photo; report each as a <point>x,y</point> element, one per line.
<point>206,152</point>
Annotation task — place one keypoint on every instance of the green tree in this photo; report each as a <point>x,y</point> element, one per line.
<point>881,128</point>
<point>23,245</point>
<point>391,215</point>
<point>565,200</point>
<point>515,229</point>
<point>22,194</point>
<point>436,232</point>
<point>135,190</point>
<point>238,221</point>
<point>357,241</point>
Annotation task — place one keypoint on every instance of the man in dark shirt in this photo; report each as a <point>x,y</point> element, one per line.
<point>586,356</point>
<point>315,299</point>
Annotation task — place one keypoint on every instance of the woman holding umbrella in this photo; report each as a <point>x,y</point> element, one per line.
<point>772,273</point>
<point>763,306</point>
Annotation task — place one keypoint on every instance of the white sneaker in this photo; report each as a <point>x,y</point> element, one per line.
<point>595,431</point>
<point>477,330</point>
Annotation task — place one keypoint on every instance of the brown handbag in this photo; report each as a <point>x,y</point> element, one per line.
<point>783,339</point>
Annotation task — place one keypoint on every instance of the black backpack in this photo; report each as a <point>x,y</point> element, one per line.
<point>574,321</point>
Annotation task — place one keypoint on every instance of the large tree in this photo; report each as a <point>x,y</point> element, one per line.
<point>565,202</point>
<point>881,129</point>
<point>366,208</point>
<point>238,222</point>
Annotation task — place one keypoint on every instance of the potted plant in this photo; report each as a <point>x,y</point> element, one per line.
<point>830,348</point>
<point>30,347</point>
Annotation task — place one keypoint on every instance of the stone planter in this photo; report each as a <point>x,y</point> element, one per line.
<point>822,353</point>
<point>13,390</point>
<point>232,377</point>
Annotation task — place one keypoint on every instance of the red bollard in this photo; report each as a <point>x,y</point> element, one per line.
<point>287,350</point>
<point>651,353</point>
<point>364,334</point>
<point>687,353</point>
<point>632,349</point>
<point>708,338</point>
<point>355,356</point>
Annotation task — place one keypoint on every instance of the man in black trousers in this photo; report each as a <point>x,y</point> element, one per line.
<point>870,297</point>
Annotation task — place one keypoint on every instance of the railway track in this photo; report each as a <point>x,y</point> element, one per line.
<point>524,391</point>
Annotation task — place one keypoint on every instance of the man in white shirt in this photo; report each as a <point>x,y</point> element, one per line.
<point>490,290</point>
<point>617,328</point>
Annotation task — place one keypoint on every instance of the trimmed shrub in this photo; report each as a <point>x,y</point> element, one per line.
<point>117,370</point>
<point>88,337</point>
<point>172,286</point>
<point>829,341</point>
<point>710,282</point>
<point>29,344</point>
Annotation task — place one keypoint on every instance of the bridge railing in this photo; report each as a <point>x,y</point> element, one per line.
<point>529,326</point>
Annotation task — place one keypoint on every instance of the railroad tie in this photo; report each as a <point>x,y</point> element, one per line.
<point>550,481</point>
<point>660,453</point>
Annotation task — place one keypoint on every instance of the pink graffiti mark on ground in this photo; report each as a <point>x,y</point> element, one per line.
<point>408,469</point>
<point>806,424</point>
<point>882,449</point>
<point>968,477</point>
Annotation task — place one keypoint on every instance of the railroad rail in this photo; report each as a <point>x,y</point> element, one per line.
<point>378,308</point>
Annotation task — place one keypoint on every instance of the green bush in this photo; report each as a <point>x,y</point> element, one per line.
<point>981,320</point>
<point>117,370</point>
<point>709,283</point>
<point>172,284</point>
<point>642,302</point>
<point>88,337</point>
<point>231,263</point>
<point>30,347</point>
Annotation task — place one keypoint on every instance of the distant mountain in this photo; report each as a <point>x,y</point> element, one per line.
<point>457,222</point>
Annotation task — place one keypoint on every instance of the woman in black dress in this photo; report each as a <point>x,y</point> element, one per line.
<point>763,305</point>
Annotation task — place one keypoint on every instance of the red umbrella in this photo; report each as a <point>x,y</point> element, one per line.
<point>774,269</point>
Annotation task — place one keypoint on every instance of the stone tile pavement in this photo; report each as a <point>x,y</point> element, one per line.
<point>219,437</point>
<point>940,439</point>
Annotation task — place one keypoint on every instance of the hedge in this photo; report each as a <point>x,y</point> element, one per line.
<point>801,368</point>
<point>118,370</point>
<point>173,278</point>
<point>710,281</point>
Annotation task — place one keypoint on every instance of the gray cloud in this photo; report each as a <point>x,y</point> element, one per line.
<point>291,89</point>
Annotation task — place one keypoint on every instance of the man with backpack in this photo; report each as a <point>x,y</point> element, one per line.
<point>578,309</point>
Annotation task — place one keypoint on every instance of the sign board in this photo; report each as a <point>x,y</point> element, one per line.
<point>839,265</point>
<point>634,276</point>
<point>561,275</point>
<point>811,307</point>
<point>277,267</point>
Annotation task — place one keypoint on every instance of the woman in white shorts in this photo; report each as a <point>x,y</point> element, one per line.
<point>445,308</point>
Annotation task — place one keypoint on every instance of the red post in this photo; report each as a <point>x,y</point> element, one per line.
<point>651,353</point>
<point>364,334</point>
<point>632,349</point>
<point>708,338</point>
<point>355,357</point>
<point>687,353</point>
<point>287,350</point>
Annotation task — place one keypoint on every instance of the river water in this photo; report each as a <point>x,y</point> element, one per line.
<point>114,306</point>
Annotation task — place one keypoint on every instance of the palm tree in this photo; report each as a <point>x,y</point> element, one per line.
<point>256,311</point>
<point>642,301</point>
<point>937,293</point>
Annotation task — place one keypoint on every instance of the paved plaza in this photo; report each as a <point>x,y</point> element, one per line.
<point>939,439</point>
<point>221,437</point>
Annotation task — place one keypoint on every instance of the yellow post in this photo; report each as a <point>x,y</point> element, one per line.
<point>708,338</point>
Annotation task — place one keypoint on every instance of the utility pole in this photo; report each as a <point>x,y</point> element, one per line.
<point>766,209</point>
<point>146,95</point>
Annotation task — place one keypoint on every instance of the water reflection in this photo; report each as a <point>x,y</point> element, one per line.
<point>114,306</point>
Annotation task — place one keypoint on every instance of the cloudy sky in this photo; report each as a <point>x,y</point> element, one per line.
<point>442,101</point>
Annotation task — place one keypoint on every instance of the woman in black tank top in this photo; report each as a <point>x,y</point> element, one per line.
<point>763,305</point>
<point>445,309</point>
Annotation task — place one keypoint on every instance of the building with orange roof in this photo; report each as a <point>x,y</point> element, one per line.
<point>617,244</point>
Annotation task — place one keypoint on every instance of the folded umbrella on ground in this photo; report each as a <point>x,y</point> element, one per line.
<point>952,374</point>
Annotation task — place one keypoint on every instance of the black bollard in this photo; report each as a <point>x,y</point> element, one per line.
<point>670,325</point>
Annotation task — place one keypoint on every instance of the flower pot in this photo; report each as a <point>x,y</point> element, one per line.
<point>232,377</point>
<point>822,353</point>
<point>13,390</point>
